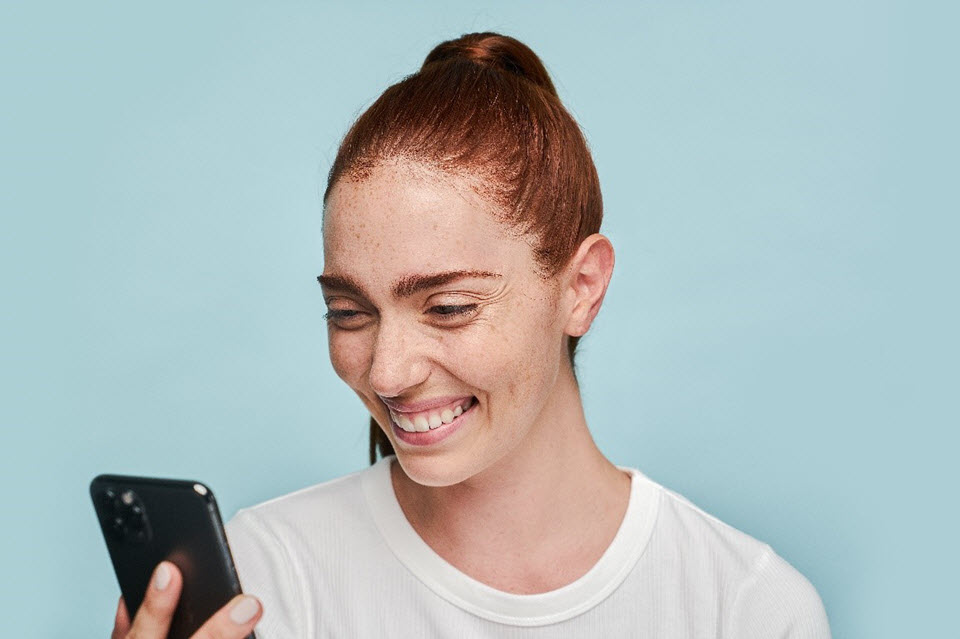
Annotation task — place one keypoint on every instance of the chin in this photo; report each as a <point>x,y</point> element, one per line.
<point>436,470</point>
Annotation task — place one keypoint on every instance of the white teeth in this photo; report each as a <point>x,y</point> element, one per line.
<point>402,422</point>
<point>424,422</point>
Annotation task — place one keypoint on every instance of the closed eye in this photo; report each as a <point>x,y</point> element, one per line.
<point>341,314</point>
<point>350,319</point>
<point>452,309</point>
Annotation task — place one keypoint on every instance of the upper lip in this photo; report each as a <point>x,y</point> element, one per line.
<point>422,405</point>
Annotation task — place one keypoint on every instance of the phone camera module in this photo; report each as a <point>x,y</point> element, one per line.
<point>125,516</point>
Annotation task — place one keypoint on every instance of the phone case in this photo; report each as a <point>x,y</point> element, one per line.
<point>147,520</point>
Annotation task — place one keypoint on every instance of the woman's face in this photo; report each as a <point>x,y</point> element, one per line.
<point>438,319</point>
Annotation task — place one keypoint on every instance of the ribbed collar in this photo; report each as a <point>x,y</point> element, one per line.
<point>504,607</point>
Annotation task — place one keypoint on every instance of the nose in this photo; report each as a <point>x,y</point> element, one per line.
<point>398,362</point>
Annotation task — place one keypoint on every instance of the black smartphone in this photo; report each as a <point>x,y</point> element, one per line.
<point>146,520</point>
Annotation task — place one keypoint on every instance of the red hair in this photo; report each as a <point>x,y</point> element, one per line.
<point>483,107</point>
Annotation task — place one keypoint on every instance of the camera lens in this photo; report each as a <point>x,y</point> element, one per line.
<point>108,500</point>
<point>117,528</point>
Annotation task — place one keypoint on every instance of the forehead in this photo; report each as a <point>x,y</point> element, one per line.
<point>401,218</point>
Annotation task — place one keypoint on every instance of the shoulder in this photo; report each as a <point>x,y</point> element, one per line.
<point>695,533</point>
<point>283,547</point>
<point>759,593</point>
<point>776,596</point>
<point>294,510</point>
<point>307,520</point>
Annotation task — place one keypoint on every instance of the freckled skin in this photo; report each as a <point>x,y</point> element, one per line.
<point>401,220</point>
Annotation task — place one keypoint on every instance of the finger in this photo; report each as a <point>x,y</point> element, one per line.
<point>121,621</point>
<point>234,621</point>
<point>153,617</point>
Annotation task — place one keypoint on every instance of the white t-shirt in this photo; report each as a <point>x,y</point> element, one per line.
<point>340,559</point>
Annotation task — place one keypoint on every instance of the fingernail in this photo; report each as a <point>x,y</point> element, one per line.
<point>244,610</point>
<point>162,579</point>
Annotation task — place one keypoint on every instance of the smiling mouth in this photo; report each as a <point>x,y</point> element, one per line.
<point>429,420</point>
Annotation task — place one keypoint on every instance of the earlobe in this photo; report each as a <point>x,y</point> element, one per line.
<point>589,276</point>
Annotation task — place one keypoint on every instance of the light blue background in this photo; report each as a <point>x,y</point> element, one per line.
<point>778,342</point>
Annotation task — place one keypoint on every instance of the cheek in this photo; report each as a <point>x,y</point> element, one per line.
<point>349,355</point>
<point>536,369</point>
<point>515,359</point>
<point>538,345</point>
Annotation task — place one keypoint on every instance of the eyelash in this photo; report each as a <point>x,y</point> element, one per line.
<point>454,309</point>
<point>332,315</point>
<point>449,310</point>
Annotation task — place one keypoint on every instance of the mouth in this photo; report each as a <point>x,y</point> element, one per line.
<point>422,421</point>
<point>430,426</point>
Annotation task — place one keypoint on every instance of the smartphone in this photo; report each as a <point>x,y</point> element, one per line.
<point>146,520</point>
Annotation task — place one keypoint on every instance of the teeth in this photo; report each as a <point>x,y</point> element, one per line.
<point>428,421</point>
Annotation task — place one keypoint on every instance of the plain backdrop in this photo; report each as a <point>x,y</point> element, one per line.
<point>778,343</point>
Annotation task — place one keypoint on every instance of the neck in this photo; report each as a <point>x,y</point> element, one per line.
<point>555,491</point>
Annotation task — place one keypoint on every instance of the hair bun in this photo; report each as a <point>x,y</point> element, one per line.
<point>496,51</point>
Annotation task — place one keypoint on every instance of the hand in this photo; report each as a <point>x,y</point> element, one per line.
<point>234,621</point>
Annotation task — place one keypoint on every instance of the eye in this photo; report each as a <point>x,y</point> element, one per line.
<point>329,315</point>
<point>344,318</point>
<point>453,310</point>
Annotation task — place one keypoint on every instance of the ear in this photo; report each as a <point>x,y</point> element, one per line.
<point>587,277</point>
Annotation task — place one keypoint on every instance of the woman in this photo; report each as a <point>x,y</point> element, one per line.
<point>462,262</point>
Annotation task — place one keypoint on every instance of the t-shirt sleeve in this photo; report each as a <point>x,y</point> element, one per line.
<point>266,571</point>
<point>777,602</point>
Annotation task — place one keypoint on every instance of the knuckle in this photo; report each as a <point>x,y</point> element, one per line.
<point>152,617</point>
<point>156,606</point>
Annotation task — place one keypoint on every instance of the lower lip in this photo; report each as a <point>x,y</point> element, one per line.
<point>436,435</point>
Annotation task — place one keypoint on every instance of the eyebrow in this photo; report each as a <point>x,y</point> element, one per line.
<point>407,285</point>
